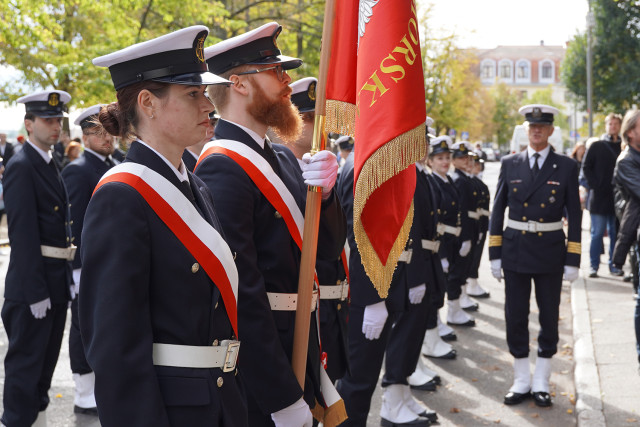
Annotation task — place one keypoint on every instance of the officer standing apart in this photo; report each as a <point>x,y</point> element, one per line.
<point>539,187</point>
<point>39,283</point>
<point>159,286</point>
<point>80,178</point>
<point>239,167</point>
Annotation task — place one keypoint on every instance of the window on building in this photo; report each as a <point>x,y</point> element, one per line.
<point>505,70</point>
<point>522,70</point>
<point>487,71</point>
<point>523,94</point>
<point>547,71</point>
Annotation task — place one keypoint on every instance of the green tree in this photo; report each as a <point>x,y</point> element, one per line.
<point>505,114</point>
<point>616,53</point>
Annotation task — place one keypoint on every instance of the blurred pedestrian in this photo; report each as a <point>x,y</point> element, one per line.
<point>6,149</point>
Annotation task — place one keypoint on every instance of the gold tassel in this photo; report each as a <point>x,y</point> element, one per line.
<point>388,161</point>
<point>335,414</point>
<point>340,117</point>
<point>318,411</point>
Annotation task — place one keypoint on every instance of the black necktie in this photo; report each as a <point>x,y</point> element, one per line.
<point>109,162</point>
<point>536,168</point>
<point>271,156</point>
<point>186,190</point>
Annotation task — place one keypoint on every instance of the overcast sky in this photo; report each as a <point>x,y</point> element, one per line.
<point>489,23</point>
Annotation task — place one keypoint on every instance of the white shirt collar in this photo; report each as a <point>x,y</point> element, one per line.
<point>181,172</point>
<point>419,166</point>
<point>46,155</point>
<point>98,155</point>
<point>251,133</point>
<point>543,155</point>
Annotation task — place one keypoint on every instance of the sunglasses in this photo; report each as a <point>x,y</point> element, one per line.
<point>279,71</point>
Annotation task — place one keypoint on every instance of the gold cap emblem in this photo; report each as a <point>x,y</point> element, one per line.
<point>54,99</point>
<point>312,91</point>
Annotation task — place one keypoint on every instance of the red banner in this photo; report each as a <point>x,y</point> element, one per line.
<point>389,123</point>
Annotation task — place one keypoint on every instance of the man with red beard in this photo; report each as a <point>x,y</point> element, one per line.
<point>263,227</point>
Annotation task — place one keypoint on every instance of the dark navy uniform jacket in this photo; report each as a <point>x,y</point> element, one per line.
<point>547,198</point>
<point>189,160</point>
<point>484,202</point>
<point>363,293</point>
<point>268,260</point>
<point>37,214</point>
<point>468,201</point>
<point>81,177</point>
<point>142,286</point>
<point>448,209</point>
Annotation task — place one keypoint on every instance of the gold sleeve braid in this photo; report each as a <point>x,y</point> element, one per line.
<point>574,248</point>
<point>495,241</point>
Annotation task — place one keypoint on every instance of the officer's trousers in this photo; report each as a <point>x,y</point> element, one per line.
<point>517,295</point>
<point>34,346</point>
<point>365,361</point>
<point>77,358</point>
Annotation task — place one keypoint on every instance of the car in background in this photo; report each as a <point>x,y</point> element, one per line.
<point>491,154</point>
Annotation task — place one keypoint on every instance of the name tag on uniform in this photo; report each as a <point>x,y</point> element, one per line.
<point>553,183</point>
<point>515,181</point>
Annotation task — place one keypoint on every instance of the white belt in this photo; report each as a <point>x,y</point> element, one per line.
<point>59,253</point>
<point>484,212</point>
<point>534,226</point>
<point>432,245</point>
<point>340,291</point>
<point>405,256</point>
<point>444,228</point>
<point>473,215</point>
<point>190,356</point>
<point>288,302</point>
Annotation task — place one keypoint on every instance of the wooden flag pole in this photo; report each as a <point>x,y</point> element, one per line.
<point>312,212</point>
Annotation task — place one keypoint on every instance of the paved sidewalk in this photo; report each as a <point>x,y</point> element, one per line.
<point>606,372</point>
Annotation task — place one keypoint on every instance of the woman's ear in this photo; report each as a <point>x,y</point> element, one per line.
<point>146,103</point>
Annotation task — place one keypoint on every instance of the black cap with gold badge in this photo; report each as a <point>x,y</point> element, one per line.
<point>440,144</point>
<point>47,103</point>
<point>303,94</point>
<point>539,113</point>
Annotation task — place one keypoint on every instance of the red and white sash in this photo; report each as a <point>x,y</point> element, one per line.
<point>199,237</point>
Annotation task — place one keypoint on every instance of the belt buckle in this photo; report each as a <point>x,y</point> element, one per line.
<point>344,290</point>
<point>72,252</point>
<point>233,347</point>
<point>532,226</point>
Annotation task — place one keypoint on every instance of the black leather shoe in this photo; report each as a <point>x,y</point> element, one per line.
<point>418,422</point>
<point>615,271</point>
<point>593,273</point>
<point>513,398</point>
<point>449,337</point>
<point>430,415</point>
<point>473,307</point>
<point>85,411</point>
<point>484,295</point>
<point>428,386</point>
<point>541,398</point>
<point>467,323</point>
<point>451,355</point>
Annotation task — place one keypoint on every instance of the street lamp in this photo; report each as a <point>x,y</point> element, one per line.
<point>590,25</point>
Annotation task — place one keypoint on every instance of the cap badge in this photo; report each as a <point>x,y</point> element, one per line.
<point>54,99</point>
<point>275,37</point>
<point>443,144</point>
<point>537,112</point>
<point>199,46</point>
<point>311,93</point>
<point>463,148</point>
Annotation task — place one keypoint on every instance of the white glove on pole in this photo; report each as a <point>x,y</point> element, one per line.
<point>571,273</point>
<point>445,264</point>
<point>465,248</point>
<point>416,294</point>
<point>39,309</point>
<point>496,268</point>
<point>375,316</point>
<point>320,170</point>
<point>297,414</point>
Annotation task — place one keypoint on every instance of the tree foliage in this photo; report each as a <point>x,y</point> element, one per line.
<point>52,43</point>
<point>505,114</point>
<point>615,52</point>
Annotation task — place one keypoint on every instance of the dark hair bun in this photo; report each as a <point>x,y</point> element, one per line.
<point>110,118</point>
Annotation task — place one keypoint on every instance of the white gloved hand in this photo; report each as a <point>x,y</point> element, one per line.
<point>416,294</point>
<point>375,316</point>
<point>72,291</point>
<point>320,170</point>
<point>496,268</point>
<point>571,273</point>
<point>76,279</point>
<point>39,309</point>
<point>445,265</point>
<point>480,237</point>
<point>297,414</point>
<point>465,248</point>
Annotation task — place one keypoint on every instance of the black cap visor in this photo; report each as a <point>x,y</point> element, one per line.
<point>194,79</point>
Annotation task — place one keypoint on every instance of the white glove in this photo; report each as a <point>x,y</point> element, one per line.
<point>445,264</point>
<point>571,273</point>
<point>416,294</point>
<point>39,309</point>
<point>375,316</point>
<point>297,414</point>
<point>76,279</point>
<point>496,268</point>
<point>320,170</point>
<point>465,248</point>
<point>480,237</point>
<point>72,291</point>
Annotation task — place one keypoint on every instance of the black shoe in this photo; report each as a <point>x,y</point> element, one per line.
<point>593,273</point>
<point>85,411</point>
<point>473,307</point>
<point>451,355</point>
<point>628,278</point>
<point>615,271</point>
<point>484,295</point>
<point>467,323</point>
<point>449,337</point>
<point>428,386</point>
<point>418,422</point>
<point>542,398</point>
<point>430,415</point>
<point>513,398</point>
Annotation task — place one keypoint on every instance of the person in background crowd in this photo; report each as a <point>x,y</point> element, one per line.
<point>578,151</point>
<point>157,312</point>
<point>597,167</point>
<point>39,282</point>
<point>538,187</point>
<point>72,152</point>
<point>6,149</point>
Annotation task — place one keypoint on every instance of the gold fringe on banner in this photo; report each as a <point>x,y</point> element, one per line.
<point>388,161</point>
<point>340,117</point>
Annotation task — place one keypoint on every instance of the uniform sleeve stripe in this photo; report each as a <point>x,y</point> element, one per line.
<point>495,241</point>
<point>574,248</point>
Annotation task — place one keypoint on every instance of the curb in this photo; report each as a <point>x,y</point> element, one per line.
<point>589,408</point>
